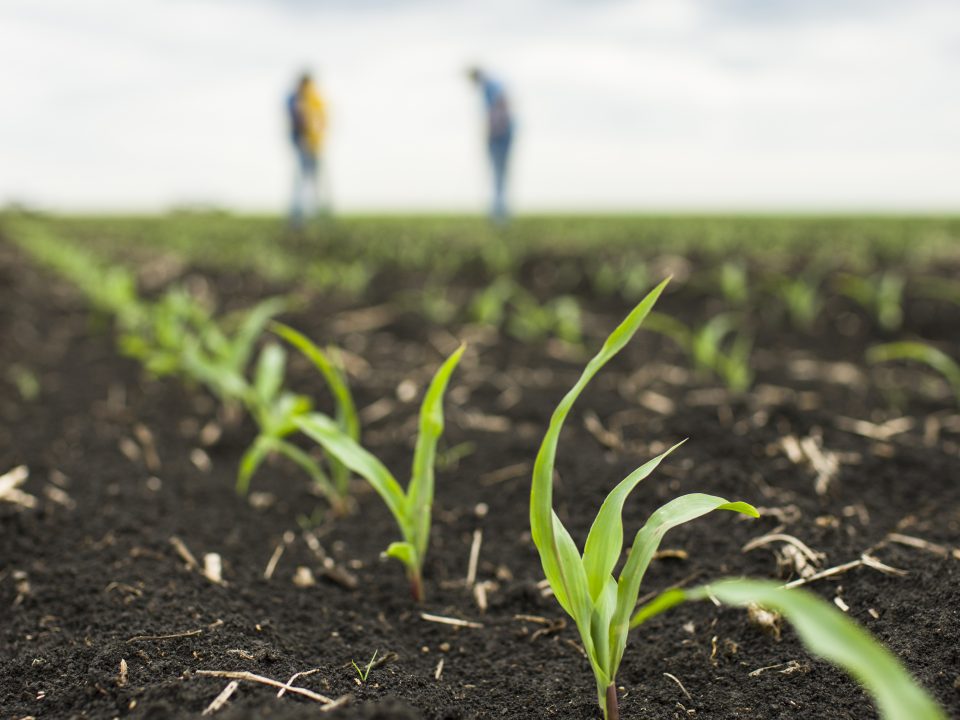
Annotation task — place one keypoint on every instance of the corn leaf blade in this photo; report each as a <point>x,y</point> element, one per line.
<point>334,377</point>
<point>826,632</point>
<point>605,541</point>
<point>251,460</point>
<point>419,499</point>
<point>919,352</point>
<point>252,324</point>
<point>325,431</point>
<point>268,376</point>
<point>676,512</point>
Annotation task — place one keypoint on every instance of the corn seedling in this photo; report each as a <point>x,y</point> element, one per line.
<point>219,358</point>
<point>276,411</point>
<point>327,362</point>
<point>411,508</point>
<point>25,380</point>
<point>801,298</point>
<point>435,305</point>
<point>734,283</point>
<point>489,306</point>
<point>600,605</point>
<point>709,349</point>
<point>826,632</point>
<point>626,276</point>
<point>158,339</point>
<point>880,295</point>
<point>364,673</point>
<point>533,321</point>
<point>110,289</point>
<point>604,277</point>
<point>921,353</point>
<point>505,303</point>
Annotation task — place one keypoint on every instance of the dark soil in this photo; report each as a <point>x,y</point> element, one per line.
<point>89,577</point>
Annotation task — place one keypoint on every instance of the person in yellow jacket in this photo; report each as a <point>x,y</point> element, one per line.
<point>308,123</point>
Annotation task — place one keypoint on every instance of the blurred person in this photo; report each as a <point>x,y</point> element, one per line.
<point>308,123</point>
<point>499,120</point>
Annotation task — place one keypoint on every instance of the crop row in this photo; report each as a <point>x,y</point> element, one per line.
<point>741,300</point>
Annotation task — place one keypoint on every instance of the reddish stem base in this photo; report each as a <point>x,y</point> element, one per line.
<point>613,707</point>
<point>416,588</point>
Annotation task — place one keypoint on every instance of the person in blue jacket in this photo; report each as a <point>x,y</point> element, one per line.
<point>500,130</point>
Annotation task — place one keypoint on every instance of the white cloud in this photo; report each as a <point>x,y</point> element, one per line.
<point>656,103</point>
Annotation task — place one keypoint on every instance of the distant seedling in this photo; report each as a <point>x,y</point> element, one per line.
<point>880,295</point>
<point>276,411</point>
<point>411,509</point>
<point>506,304</point>
<point>220,353</point>
<point>921,353</point>
<point>716,349</point>
<point>328,364</point>
<point>802,299</point>
<point>734,283</point>
<point>163,330</point>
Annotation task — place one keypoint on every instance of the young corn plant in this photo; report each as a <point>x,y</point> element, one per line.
<point>734,283</point>
<point>507,304</point>
<point>826,632</point>
<point>275,412</point>
<point>710,352</point>
<point>600,604</point>
<point>802,299</point>
<point>532,321</point>
<point>157,340</point>
<point>327,362</point>
<point>111,289</point>
<point>881,295</point>
<point>218,358</point>
<point>604,608</point>
<point>412,509</point>
<point>364,672</point>
<point>922,353</point>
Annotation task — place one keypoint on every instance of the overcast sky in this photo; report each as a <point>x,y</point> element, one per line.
<point>643,105</point>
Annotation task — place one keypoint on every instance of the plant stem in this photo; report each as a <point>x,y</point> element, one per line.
<point>612,709</point>
<point>416,586</point>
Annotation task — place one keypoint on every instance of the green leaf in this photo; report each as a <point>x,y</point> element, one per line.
<point>334,377</point>
<point>222,381</point>
<point>676,512</point>
<point>605,541</point>
<point>419,498</point>
<point>705,348</point>
<point>268,378</point>
<point>826,632</point>
<point>919,352</point>
<point>250,461</point>
<point>604,606</point>
<point>251,325</point>
<point>572,578</point>
<point>671,327</point>
<point>325,431</point>
<point>404,552</point>
<point>307,463</point>
<point>660,604</point>
<point>541,492</point>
